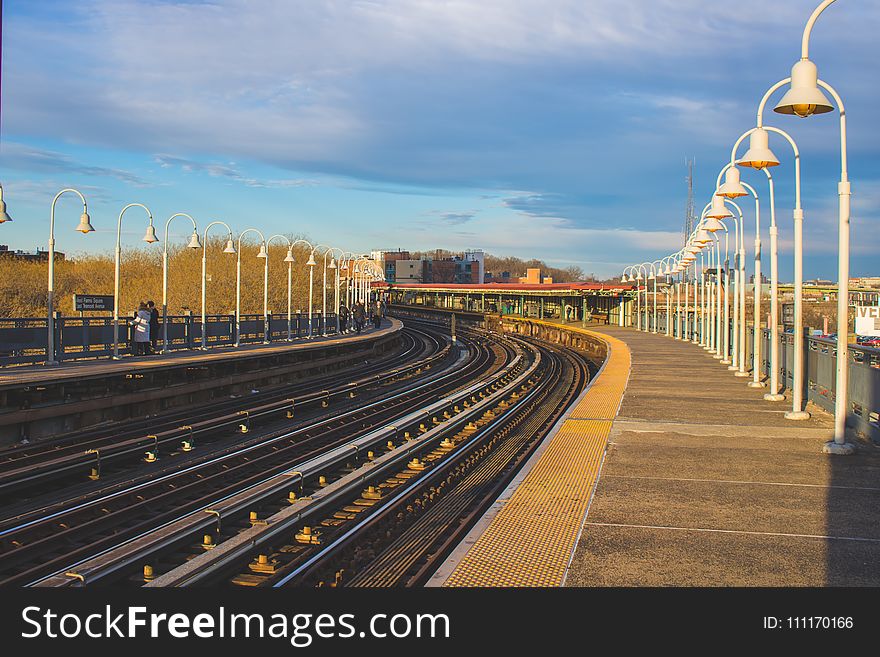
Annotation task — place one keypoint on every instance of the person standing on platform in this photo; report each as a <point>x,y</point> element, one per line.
<point>154,326</point>
<point>359,316</point>
<point>141,330</point>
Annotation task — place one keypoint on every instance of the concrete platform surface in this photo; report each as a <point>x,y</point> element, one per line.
<point>706,484</point>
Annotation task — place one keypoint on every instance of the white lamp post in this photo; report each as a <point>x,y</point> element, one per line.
<point>230,248</point>
<point>289,259</point>
<point>653,277</point>
<point>335,266</point>
<point>264,254</point>
<point>632,279</point>
<point>194,243</point>
<point>732,188</point>
<point>804,99</point>
<point>310,264</point>
<point>85,226</point>
<point>760,156</point>
<point>4,216</point>
<point>149,238</point>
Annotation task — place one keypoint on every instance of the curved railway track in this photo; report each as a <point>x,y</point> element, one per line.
<point>389,524</point>
<point>44,545</point>
<point>27,466</point>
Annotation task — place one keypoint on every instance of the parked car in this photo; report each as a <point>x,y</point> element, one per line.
<point>868,341</point>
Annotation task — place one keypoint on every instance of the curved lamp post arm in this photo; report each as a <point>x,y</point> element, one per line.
<point>279,236</point>
<point>215,223</point>
<point>245,232</point>
<point>808,28</point>
<point>837,99</point>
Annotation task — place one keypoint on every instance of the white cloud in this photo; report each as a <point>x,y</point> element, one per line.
<point>229,171</point>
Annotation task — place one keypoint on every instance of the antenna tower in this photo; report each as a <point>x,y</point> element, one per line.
<point>689,213</point>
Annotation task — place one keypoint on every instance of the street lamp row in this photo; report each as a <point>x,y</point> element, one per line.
<point>804,98</point>
<point>357,283</point>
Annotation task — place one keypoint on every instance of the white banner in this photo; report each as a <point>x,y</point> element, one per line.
<point>868,320</point>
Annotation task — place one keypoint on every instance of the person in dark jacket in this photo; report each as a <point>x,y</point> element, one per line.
<point>154,326</point>
<point>377,315</point>
<point>360,316</point>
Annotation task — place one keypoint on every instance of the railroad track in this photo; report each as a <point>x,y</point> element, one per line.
<point>388,523</point>
<point>41,546</point>
<point>25,467</point>
<point>403,543</point>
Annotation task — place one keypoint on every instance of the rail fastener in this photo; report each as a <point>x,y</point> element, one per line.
<point>263,564</point>
<point>151,456</point>
<point>307,536</point>
<point>95,473</point>
<point>188,444</point>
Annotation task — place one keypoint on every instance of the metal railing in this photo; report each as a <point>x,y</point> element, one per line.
<point>23,340</point>
<point>820,362</point>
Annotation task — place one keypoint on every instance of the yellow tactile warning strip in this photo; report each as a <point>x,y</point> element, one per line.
<point>531,539</point>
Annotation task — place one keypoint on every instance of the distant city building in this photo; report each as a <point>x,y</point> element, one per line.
<point>532,277</point>
<point>865,281</point>
<point>405,271</point>
<point>400,267</point>
<point>35,256</point>
<point>503,277</point>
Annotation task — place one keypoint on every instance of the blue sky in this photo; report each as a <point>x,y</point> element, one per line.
<point>555,129</point>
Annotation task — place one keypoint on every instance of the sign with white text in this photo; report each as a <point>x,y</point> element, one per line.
<point>83,302</point>
<point>868,320</point>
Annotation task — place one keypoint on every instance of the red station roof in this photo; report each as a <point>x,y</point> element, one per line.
<point>504,287</point>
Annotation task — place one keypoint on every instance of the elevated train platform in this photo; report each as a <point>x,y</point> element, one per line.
<point>670,471</point>
<point>40,400</point>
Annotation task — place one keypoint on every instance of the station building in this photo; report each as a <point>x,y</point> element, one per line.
<point>568,301</point>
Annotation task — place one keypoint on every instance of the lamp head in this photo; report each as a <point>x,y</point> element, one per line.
<point>719,209</point>
<point>623,279</point>
<point>712,225</point>
<point>85,224</point>
<point>230,247</point>
<point>150,235</point>
<point>639,276</point>
<point>332,264</point>
<point>344,266</point>
<point>262,253</point>
<point>311,262</point>
<point>804,98</point>
<point>703,237</point>
<point>652,275</point>
<point>759,154</point>
<point>194,242</point>
<point>731,187</point>
<point>3,216</point>
<point>289,256</point>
